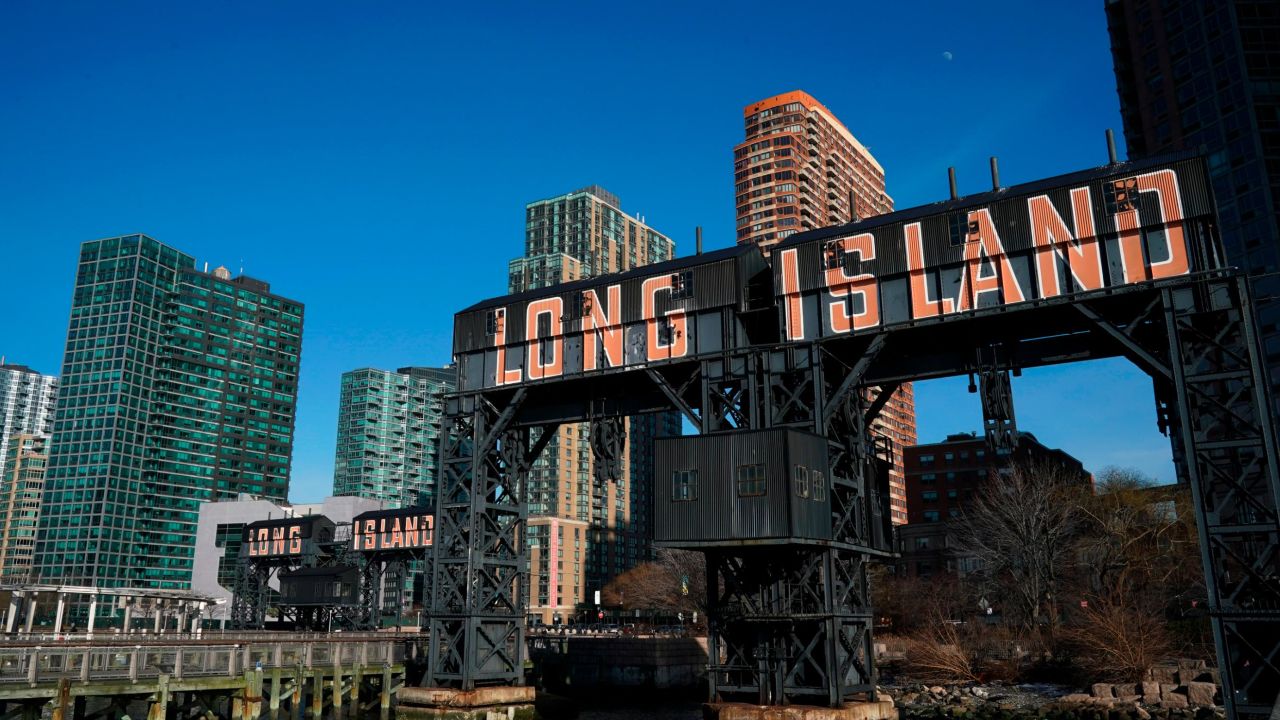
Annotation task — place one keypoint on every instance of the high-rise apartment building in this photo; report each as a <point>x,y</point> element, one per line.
<point>21,485</point>
<point>1195,75</point>
<point>800,168</point>
<point>581,534</point>
<point>178,387</point>
<point>26,403</point>
<point>389,434</point>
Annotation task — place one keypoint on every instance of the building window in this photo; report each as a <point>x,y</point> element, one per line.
<point>682,285</point>
<point>949,456</point>
<point>819,486</point>
<point>493,322</point>
<point>928,478</point>
<point>926,459</point>
<point>922,543</point>
<point>931,516</point>
<point>684,485</point>
<point>801,477</point>
<point>929,496</point>
<point>751,481</point>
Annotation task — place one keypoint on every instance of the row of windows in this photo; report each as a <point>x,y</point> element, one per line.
<point>752,482</point>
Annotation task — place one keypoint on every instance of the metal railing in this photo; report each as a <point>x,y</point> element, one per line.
<point>35,664</point>
<point>114,637</point>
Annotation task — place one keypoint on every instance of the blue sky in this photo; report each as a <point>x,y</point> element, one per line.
<point>373,159</point>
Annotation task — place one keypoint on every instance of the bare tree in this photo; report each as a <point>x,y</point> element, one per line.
<point>1140,568</point>
<point>1019,529</point>
<point>673,582</point>
<point>1136,536</point>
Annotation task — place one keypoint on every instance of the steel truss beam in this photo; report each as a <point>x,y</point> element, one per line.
<point>793,624</point>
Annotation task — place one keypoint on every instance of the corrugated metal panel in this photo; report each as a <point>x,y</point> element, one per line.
<point>334,585</point>
<point>309,526</point>
<point>717,283</point>
<point>676,324</point>
<point>983,252</point>
<point>810,516</point>
<point>721,514</point>
<point>943,259</point>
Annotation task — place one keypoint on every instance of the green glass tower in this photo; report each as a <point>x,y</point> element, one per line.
<point>389,434</point>
<point>178,387</point>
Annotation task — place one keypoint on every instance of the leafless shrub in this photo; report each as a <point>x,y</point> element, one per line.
<point>936,653</point>
<point>1117,642</point>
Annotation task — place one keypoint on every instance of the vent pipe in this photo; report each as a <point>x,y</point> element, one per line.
<point>697,233</point>
<point>995,173</point>
<point>951,178</point>
<point>1111,147</point>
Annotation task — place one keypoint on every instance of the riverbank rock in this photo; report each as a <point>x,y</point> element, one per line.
<point>1201,694</point>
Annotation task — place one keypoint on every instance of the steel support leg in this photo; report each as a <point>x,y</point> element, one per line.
<point>478,604</point>
<point>1228,435</point>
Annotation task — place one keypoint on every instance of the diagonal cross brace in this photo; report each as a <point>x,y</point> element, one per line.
<point>1138,354</point>
<point>854,378</point>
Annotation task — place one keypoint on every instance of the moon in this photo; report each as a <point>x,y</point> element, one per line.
<point>947,56</point>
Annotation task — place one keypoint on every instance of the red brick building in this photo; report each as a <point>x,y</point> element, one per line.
<point>940,479</point>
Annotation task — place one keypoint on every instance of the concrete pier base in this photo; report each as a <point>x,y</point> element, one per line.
<point>879,710</point>
<point>493,703</point>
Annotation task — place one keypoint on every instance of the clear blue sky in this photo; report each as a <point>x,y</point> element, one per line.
<point>373,159</point>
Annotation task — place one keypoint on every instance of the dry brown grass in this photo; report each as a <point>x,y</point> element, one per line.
<point>937,653</point>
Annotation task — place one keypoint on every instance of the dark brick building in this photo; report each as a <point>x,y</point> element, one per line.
<point>941,478</point>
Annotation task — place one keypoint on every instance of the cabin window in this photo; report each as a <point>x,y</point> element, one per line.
<point>493,322</point>
<point>682,285</point>
<point>751,482</point>
<point>819,486</point>
<point>1121,195</point>
<point>801,480</point>
<point>833,255</point>
<point>961,229</point>
<point>579,306</point>
<point>684,485</point>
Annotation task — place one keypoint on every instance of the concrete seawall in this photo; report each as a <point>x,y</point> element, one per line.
<point>590,665</point>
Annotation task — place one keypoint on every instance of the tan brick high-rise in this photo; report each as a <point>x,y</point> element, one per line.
<point>581,536</point>
<point>800,168</point>
<point>21,486</point>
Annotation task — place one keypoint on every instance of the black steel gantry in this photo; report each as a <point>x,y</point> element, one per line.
<point>1117,261</point>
